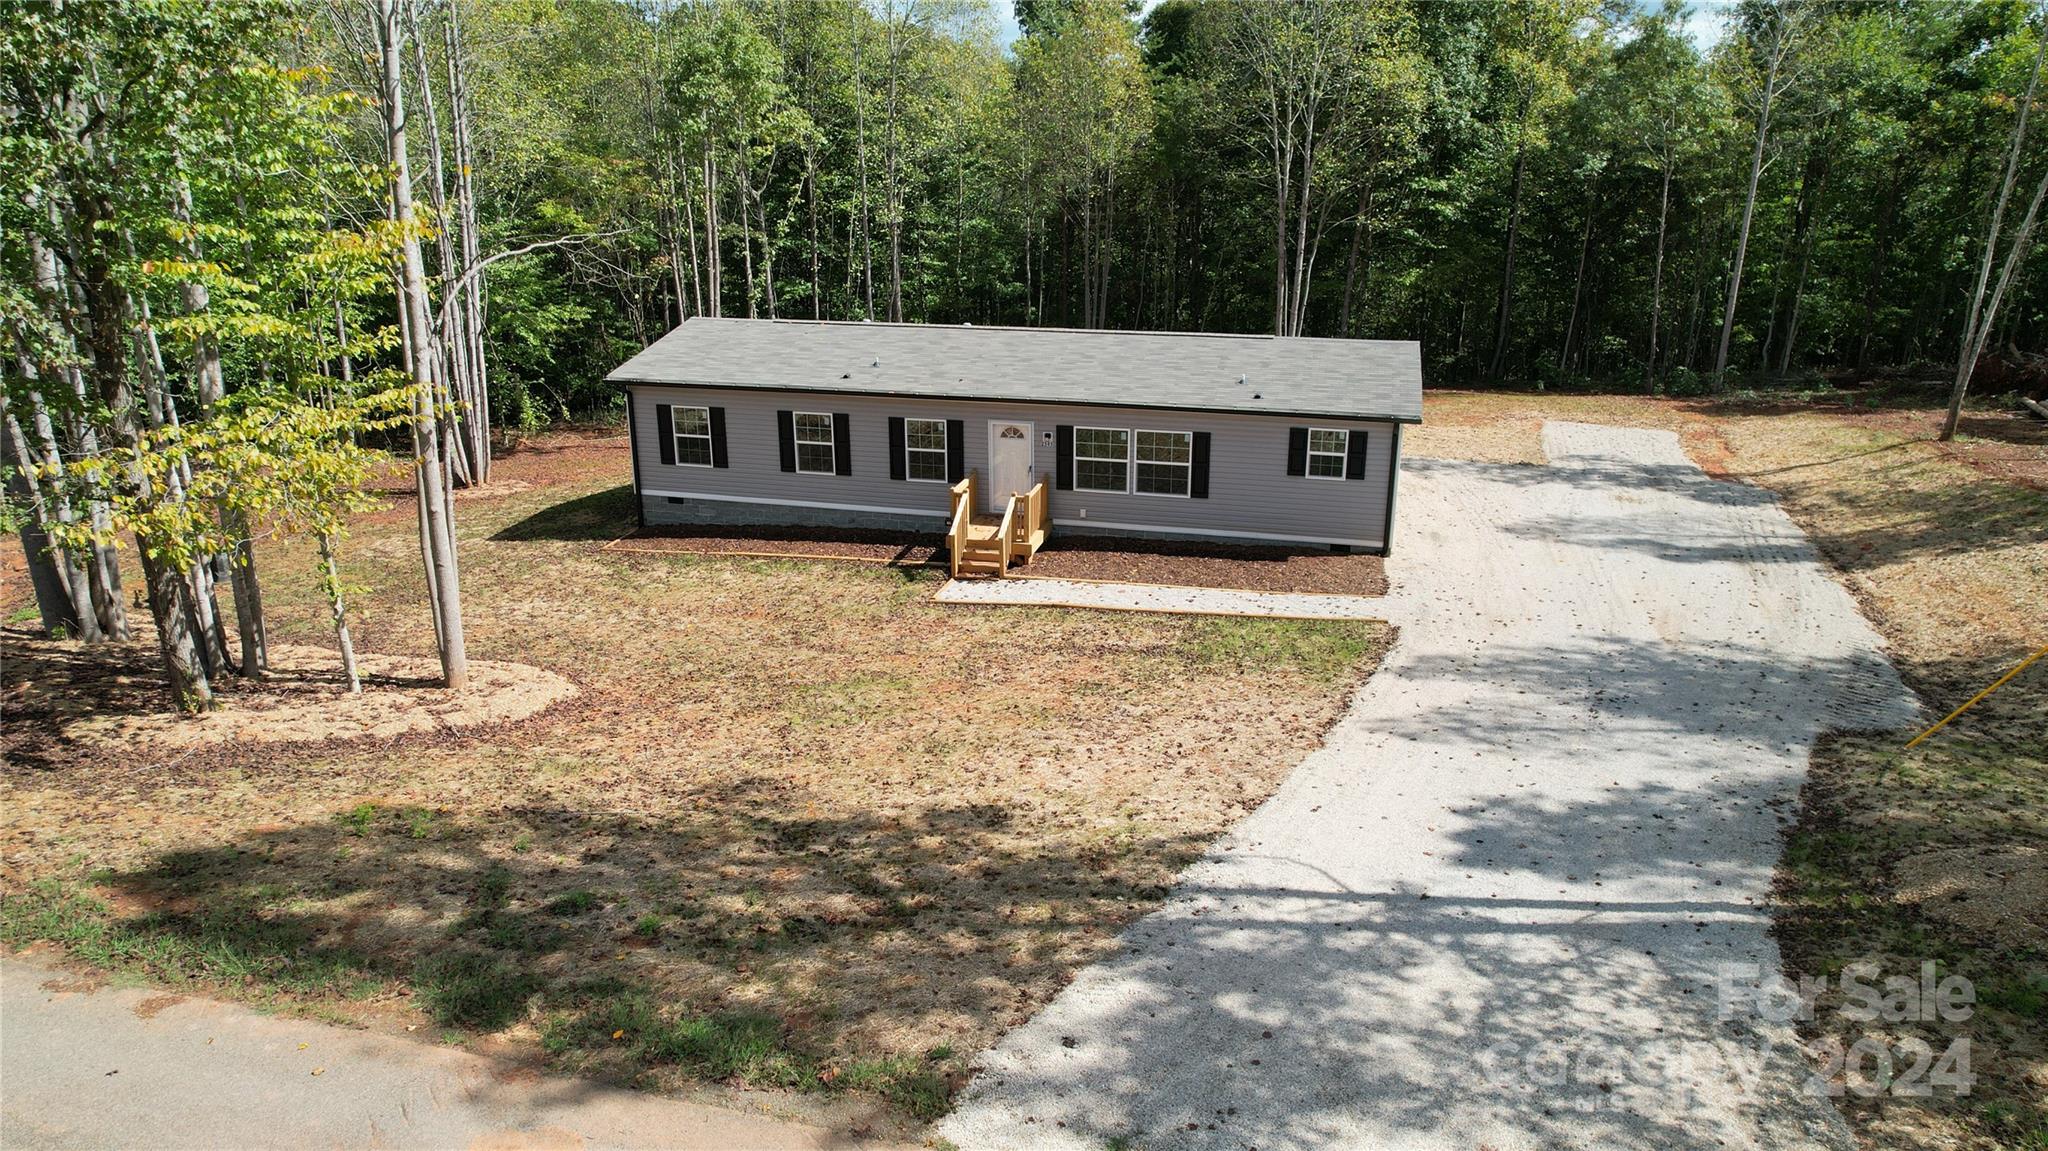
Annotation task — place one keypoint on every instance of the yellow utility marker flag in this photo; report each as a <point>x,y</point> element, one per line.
<point>1973,699</point>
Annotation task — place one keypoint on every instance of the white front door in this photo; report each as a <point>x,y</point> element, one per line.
<point>1009,461</point>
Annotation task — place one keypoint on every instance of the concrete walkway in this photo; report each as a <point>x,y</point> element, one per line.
<point>1492,911</point>
<point>141,1069</point>
<point>1034,592</point>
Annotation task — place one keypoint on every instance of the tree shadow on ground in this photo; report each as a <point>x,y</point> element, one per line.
<point>754,945</point>
<point>54,687</point>
<point>1363,1018</point>
<point>600,515</point>
<point>1534,967</point>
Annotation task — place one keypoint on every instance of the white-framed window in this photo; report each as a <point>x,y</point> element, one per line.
<point>1328,449</point>
<point>814,448</point>
<point>1102,460</point>
<point>924,450</point>
<point>1165,463</point>
<point>693,436</point>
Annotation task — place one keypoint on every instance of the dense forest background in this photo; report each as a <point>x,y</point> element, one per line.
<point>1541,192</point>
<point>251,246</point>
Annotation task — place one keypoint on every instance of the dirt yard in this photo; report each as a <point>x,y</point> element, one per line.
<point>798,826</point>
<point>802,827</point>
<point>1940,853</point>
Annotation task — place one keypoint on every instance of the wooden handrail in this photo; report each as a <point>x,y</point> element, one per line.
<point>963,515</point>
<point>1003,535</point>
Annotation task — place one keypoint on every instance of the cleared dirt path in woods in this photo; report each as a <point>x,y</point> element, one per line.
<point>93,1067</point>
<point>1493,909</point>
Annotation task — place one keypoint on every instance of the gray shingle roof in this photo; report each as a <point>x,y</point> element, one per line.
<point>1297,376</point>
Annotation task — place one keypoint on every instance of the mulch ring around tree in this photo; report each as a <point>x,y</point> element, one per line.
<point>64,699</point>
<point>1169,562</point>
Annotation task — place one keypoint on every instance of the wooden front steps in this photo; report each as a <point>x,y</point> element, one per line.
<point>984,544</point>
<point>982,552</point>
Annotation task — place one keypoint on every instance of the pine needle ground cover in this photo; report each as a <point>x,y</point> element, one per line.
<point>1898,857</point>
<point>799,827</point>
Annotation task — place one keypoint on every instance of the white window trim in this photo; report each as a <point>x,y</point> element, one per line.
<point>945,454</point>
<point>1343,457</point>
<point>710,452</point>
<point>798,441</point>
<point>1190,465</point>
<point>1129,441</point>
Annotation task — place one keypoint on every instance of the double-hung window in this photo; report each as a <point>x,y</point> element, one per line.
<point>693,436</point>
<point>1165,463</point>
<point>924,450</point>
<point>1327,450</point>
<point>814,448</point>
<point>1102,459</point>
<point>1141,462</point>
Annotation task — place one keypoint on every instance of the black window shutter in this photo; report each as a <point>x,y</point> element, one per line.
<point>842,443</point>
<point>1354,462</point>
<point>898,470</point>
<point>1297,451</point>
<point>1198,475</point>
<point>665,431</point>
<point>1063,477</point>
<point>956,451</point>
<point>785,429</point>
<point>718,457</point>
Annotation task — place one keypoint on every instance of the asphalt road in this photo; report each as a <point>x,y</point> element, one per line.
<point>131,1068</point>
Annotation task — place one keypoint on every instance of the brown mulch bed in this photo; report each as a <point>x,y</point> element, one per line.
<point>897,549</point>
<point>1173,563</point>
<point>1275,569</point>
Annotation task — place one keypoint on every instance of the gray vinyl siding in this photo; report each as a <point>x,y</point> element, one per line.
<point>1251,496</point>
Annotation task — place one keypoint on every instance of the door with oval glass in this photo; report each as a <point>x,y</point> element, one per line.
<point>1009,461</point>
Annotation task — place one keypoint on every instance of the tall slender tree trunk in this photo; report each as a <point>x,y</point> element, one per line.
<point>1359,232</point>
<point>451,371</point>
<point>745,191</point>
<point>1105,253</point>
<point>892,173</point>
<point>2015,256</point>
<point>1974,332</point>
<point>1304,258</point>
<point>1282,144</point>
<point>54,501</point>
<point>338,609</point>
<point>104,325</point>
<point>687,194</point>
<point>855,14</point>
<point>162,413</point>
<point>1498,365</point>
<point>437,543</point>
<point>209,384</point>
<point>47,575</point>
<point>472,300</point>
<point>1873,276</point>
<point>1657,276</point>
<point>817,283</point>
<point>102,565</point>
<point>1571,324</point>
<point>1756,170</point>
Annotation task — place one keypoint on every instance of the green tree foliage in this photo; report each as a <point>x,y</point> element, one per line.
<point>175,262</point>
<point>1540,192</point>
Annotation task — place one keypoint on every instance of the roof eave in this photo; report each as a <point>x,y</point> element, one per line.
<point>1283,413</point>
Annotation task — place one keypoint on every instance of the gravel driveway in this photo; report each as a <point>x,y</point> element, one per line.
<point>1493,910</point>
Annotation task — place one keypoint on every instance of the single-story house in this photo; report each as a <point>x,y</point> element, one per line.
<point>1245,439</point>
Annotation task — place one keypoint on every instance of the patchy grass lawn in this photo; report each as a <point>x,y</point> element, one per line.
<point>1940,853</point>
<point>800,827</point>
